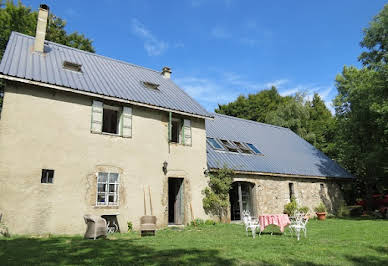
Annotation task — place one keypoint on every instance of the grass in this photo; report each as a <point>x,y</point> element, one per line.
<point>331,242</point>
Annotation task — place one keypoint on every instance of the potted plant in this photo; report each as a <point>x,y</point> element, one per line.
<point>320,211</point>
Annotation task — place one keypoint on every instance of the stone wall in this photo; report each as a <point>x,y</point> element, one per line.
<point>272,193</point>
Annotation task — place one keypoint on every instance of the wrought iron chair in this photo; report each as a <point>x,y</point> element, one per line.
<point>250,224</point>
<point>298,224</point>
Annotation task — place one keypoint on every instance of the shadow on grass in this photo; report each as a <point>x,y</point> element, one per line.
<point>75,251</point>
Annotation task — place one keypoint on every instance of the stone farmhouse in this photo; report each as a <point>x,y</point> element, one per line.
<point>83,134</point>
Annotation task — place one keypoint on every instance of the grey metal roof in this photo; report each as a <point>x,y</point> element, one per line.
<point>284,151</point>
<point>100,75</point>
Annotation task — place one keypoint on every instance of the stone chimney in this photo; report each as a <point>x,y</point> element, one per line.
<point>166,72</point>
<point>41,28</point>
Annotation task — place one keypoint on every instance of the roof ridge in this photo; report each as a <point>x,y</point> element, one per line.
<point>251,121</point>
<point>86,52</point>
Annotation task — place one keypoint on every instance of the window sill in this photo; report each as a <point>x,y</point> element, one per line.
<point>106,207</point>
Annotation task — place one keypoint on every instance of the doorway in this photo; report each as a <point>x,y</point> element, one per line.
<point>241,198</point>
<point>176,210</point>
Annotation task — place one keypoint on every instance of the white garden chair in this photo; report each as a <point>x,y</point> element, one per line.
<point>298,224</point>
<point>250,224</point>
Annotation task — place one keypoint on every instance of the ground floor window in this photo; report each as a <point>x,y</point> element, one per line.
<point>107,188</point>
<point>241,199</point>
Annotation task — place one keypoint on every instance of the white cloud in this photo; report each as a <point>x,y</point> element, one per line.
<point>152,45</point>
<point>220,33</point>
<point>277,83</point>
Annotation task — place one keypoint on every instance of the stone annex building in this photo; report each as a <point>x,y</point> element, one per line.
<point>83,134</point>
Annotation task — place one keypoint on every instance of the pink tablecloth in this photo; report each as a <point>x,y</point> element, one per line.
<point>280,220</point>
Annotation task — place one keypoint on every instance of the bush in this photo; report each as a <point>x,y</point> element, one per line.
<point>210,222</point>
<point>197,222</point>
<point>304,209</point>
<point>130,226</point>
<point>291,208</point>
<point>320,208</point>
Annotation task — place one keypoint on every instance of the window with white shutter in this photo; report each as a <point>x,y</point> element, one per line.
<point>187,132</point>
<point>126,126</point>
<point>97,110</point>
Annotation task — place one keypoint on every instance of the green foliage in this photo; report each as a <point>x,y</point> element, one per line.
<point>20,18</point>
<point>197,222</point>
<point>342,210</point>
<point>254,107</point>
<point>291,207</point>
<point>376,41</point>
<point>304,209</point>
<point>210,222</point>
<point>216,195</point>
<point>320,208</point>
<point>130,226</point>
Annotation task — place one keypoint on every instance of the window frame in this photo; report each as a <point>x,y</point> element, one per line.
<point>119,111</point>
<point>107,193</point>
<point>242,147</point>
<point>250,145</point>
<point>179,121</point>
<point>229,146</point>
<point>216,140</point>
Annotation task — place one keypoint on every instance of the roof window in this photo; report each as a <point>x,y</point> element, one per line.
<point>72,66</point>
<point>253,148</point>
<point>229,146</point>
<point>214,143</point>
<point>150,85</point>
<point>242,147</point>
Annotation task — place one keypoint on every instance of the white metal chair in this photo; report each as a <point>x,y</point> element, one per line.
<point>298,223</point>
<point>250,224</point>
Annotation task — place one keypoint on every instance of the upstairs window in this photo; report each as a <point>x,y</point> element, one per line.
<point>241,146</point>
<point>214,143</point>
<point>229,146</point>
<point>176,126</point>
<point>111,119</point>
<point>72,66</point>
<point>253,148</point>
<point>291,190</point>
<point>107,189</point>
<point>47,176</point>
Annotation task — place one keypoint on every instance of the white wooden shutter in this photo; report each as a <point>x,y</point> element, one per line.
<point>187,132</point>
<point>127,122</point>
<point>96,124</point>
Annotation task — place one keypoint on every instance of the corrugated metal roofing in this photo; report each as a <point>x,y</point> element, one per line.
<point>284,151</point>
<point>100,75</point>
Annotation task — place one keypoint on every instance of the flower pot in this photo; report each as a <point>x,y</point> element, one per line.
<point>321,215</point>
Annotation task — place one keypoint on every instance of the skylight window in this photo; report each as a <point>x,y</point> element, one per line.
<point>242,147</point>
<point>229,146</point>
<point>72,66</point>
<point>150,85</point>
<point>253,148</point>
<point>214,143</point>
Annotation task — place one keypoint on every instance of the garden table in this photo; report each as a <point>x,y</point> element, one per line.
<point>280,220</point>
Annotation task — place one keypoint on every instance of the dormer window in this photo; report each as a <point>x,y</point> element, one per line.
<point>150,85</point>
<point>72,66</point>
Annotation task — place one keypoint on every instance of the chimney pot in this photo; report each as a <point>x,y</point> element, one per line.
<point>41,28</point>
<point>166,72</point>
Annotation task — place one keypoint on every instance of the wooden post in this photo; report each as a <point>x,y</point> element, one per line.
<point>240,199</point>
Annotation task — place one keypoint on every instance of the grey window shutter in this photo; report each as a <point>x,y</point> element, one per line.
<point>127,122</point>
<point>96,124</point>
<point>187,132</point>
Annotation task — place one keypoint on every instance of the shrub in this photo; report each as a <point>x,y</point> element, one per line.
<point>130,226</point>
<point>197,222</point>
<point>210,222</point>
<point>291,208</point>
<point>320,208</point>
<point>216,200</point>
<point>304,209</point>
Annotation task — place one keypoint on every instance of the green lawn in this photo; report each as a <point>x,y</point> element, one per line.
<point>331,242</point>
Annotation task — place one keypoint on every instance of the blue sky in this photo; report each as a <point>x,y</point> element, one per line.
<point>220,49</point>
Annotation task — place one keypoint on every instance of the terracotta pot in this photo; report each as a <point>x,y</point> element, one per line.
<point>321,215</point>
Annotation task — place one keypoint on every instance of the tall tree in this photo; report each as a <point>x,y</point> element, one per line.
<point>20,18</point>
<point>254,107</point>
<point>362,110</point>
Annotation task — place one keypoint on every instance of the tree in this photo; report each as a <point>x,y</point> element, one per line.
<point>376,41</point>
<point>254,107</point>
<point>216,200</point>
<point>18,17</point>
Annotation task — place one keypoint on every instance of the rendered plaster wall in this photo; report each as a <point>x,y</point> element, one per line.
<point>272,193</point>
<point>41,128</point>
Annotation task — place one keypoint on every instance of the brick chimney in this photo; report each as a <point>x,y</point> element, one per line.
<point>41,28</point>
<point>166,72</point>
